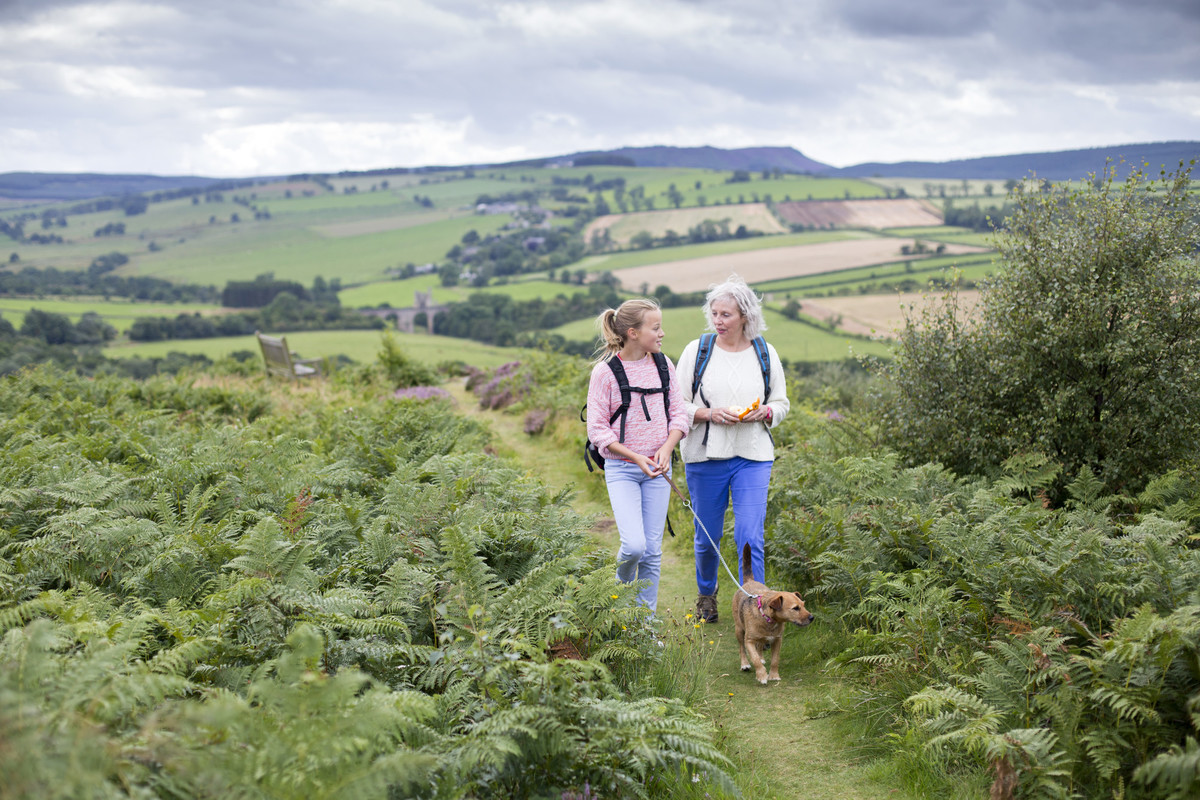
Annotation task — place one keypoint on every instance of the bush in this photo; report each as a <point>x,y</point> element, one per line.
<point>1084,347</point>
<point>402,371</point>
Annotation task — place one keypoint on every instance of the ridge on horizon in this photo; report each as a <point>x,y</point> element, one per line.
<point>1071,164</point>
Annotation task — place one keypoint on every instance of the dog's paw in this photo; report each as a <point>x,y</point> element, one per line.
<point>774,678</point>
<point>763,681</point>
<point>746,667</point>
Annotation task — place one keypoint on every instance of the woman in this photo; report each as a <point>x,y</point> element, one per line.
<point>636,435</point>
<point>729,451</point>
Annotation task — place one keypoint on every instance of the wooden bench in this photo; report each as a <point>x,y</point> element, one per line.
<point>281,361</point>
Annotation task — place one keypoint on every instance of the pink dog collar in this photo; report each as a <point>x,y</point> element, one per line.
<point>758,602</point>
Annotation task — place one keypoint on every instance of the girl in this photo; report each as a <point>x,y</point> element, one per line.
<point>636,432</point>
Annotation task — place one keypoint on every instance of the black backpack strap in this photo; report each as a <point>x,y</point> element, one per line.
<point>664,375</point>
<point>618,371</point>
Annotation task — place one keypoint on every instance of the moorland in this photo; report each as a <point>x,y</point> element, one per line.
<point>396,579</point>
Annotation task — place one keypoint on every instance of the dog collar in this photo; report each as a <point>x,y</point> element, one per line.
<point>758,602</point>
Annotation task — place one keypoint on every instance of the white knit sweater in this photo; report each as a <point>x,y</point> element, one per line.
<point>731,379</point>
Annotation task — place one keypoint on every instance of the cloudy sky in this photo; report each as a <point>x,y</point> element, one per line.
<point>264,87</point>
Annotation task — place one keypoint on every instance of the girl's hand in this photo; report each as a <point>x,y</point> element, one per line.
<point>649,466</point>
<point>662,458</point>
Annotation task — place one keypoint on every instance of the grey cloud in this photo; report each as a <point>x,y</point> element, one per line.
<point>856,80</point>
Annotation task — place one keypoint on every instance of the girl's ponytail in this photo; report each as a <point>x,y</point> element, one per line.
<point>614,325</point>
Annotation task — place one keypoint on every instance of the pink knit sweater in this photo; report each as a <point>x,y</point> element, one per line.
<point>641,435</point>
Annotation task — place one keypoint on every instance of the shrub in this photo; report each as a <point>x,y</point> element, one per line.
<point>1084,347</point>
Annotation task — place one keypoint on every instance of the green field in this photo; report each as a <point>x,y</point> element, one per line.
<point>400,293</point>
<point>361,346</point>
<point>795,341</point>
<point>938,188</point>
<point>611,262</point>
<point>118,313</point>
<point>971,267</point>
<point>371,224</point>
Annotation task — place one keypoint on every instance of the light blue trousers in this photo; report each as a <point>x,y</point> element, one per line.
<point>711,484</point>
<point>639,507</point>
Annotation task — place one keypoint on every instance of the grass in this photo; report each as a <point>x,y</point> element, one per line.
<point>754,216</point>
<point>794,738</point>
<point>361,346</point>
<point>850,280</point>
<point>612,262</point>
<point>304,254</point>
<point>795,341</point>
<point>399,293</point>
<point>118,313</point>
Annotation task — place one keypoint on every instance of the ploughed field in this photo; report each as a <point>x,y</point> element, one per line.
<point>774,264</point>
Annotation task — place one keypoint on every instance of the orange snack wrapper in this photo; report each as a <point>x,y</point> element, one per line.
<point>742,412</point>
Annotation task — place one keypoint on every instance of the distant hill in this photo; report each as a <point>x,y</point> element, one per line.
<point>85,185</point>
<point>1056,166</point>
<point>788,159</point>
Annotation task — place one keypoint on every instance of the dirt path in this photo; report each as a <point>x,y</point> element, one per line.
<point>784,737</point>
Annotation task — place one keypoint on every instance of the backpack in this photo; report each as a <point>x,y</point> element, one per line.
<point>704,354</point>
<point>591,453</point>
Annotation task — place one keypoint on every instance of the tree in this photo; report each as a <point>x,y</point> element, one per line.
<point>675,196</point>
<point>50,328</point>
<point>1085,348</point>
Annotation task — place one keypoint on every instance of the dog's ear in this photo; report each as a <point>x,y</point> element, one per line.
<point>776,602</point>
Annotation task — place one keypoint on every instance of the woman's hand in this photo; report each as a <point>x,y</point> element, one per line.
<point>721,416</point>
<point>760,414</point>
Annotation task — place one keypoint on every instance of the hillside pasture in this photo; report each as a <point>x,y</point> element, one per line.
<point>940,188</point>
<point>401,293</point>
<point>875,214</point>
<point>612,262</point>
<point>795,341</point>
<point>755,267</point>
<point>361,346</point>
<point>341,230</point>
<point>860,279</point>
<point>623,227</point>
<point>879,315</point>
<point>118,313</point>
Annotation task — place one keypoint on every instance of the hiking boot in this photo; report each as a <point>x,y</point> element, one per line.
<point>706,607</point>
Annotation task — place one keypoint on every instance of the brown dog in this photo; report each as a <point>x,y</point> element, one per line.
<point>759,621</point>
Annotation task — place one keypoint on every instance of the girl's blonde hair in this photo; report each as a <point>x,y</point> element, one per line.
<point>614,325</point>
<point>735,289</point>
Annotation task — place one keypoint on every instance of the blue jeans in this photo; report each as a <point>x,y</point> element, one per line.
<point>711,483</point>
<point>639,507</point>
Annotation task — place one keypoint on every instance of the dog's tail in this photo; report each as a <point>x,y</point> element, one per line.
<point>747,564</point>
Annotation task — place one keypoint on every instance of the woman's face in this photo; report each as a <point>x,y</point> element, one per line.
<point>727,319</point>
<point>649,334</point>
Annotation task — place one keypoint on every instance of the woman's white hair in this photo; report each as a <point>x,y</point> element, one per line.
<point>735,289</point>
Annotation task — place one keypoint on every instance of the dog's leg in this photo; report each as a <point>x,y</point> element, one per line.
<point>756,655</point>
<point>740,631</point>
<point>776,648</point>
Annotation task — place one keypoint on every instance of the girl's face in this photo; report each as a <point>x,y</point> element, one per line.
<point>727,319</point>
<point>649,335</point>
